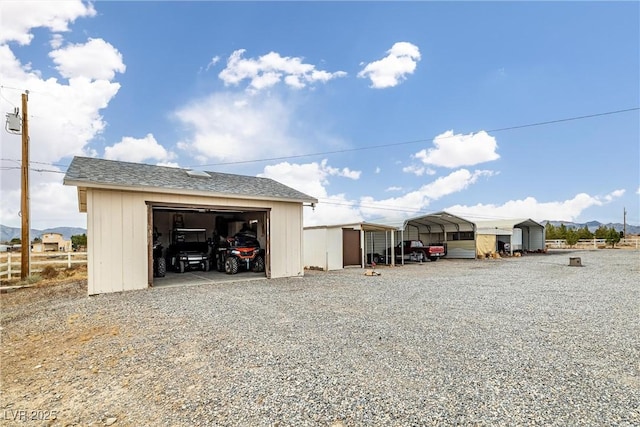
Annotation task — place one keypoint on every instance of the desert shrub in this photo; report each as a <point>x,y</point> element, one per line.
<point>49,272</point>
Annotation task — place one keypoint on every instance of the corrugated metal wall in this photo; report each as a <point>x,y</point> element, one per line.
<point>118,244</point>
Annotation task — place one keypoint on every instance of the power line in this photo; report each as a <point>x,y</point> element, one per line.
<point>393,144</point>
<point>396,144</point>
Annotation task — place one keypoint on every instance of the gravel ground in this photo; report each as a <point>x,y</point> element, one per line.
<point>517,341</point>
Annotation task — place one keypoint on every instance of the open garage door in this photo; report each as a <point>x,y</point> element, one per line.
<point>205,244</point>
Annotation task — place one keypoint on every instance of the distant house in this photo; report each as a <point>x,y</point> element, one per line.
<point>52,242</point>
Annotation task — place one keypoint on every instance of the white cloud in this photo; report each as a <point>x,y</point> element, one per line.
<point>457,150</point>
<point>378,170</point>
<point>94,60</point>
<point>213,62</point>
<point>138,150</point>
<point>344,172</point>
<point>567,210</point>
<point>416,201</point>
<point>235,127</point>
<point>401,60</point>
<point>393,188</point>
<point>418,170</point>
<point>46,210</point>
<point>638,191</point>
<point>270,69</point>
<point>614,195</point>
<point>312,179</point>
<point>414,169</point>
<point>18,18</point>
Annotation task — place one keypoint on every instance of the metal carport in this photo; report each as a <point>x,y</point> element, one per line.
<point>524,235</point>
<point>457,234</point>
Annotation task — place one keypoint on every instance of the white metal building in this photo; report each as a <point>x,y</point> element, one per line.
<point>125,201</point>
<point>523,235</point>
<point>332,247</point>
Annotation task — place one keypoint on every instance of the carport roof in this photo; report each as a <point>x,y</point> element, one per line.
<point>366,226</point>
<point>508,223</point>
<point>440,219</point>
<point>87,172</point>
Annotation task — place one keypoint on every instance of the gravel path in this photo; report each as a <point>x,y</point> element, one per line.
<point>517,341</point>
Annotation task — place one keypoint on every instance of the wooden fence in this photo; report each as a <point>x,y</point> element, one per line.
<point>593,244</point>
<point>10,262</point>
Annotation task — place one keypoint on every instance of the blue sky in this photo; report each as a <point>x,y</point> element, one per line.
<point>381,110</point>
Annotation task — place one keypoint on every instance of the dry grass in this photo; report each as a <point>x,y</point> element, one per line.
<point>50,275</point>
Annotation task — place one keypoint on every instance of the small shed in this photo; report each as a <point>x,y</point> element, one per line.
<point>509,235</point>
<point>127,204</point>
<point>333,247</point>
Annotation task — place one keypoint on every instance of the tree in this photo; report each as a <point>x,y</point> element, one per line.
<point>612,237</point>
<point>37,240</point>
<point>562,231</point>
<point>78,240</point>
<point>601,232</point>
<point>15,241</point>
<point>584,233</point>
<point>551,231</point>
<point>572,237</point>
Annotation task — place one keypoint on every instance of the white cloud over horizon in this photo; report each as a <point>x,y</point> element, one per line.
<point>529,207</point>
<point>401,60</point>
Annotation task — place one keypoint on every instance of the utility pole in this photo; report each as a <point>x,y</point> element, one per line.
<point>24,204</point>
<point>624,222</point>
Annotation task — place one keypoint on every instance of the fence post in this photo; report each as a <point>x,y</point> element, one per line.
<point>68,259</point>
<point>9,265</point>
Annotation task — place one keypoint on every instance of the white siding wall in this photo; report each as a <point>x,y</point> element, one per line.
<point>117,236</point>
<point>323,248</point>
<point>117,242</point>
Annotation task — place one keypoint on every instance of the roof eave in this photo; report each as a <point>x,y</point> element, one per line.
<point>164,190</point>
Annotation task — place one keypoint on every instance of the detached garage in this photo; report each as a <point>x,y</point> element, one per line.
<point>129,205</point>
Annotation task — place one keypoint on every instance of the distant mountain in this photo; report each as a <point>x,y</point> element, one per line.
<point>8,233</point>
<point>594,225</point>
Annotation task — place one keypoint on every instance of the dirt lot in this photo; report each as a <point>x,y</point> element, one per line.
<point>492,342</point>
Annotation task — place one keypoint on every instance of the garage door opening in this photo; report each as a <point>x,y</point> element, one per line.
<point>207,244</point>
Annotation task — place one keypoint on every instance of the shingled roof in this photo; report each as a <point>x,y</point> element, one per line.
<point>90,172</point>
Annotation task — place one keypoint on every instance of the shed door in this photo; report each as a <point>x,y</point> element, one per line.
<point>351,247</point>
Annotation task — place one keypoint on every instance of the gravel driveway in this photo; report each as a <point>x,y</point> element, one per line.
<point>517,341</point>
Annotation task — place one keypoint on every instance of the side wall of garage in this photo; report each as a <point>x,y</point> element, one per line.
<point>117,234</point>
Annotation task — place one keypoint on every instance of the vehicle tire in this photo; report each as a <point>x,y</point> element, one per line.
<point>181,267</point>
<point>434,258</point>
<point>258,264</point>
<point>231,265</point>
<point>162,267</point>
<point>206,265</point>
<point>376,259</point>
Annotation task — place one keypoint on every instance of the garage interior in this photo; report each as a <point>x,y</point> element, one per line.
<point>206,228</point>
